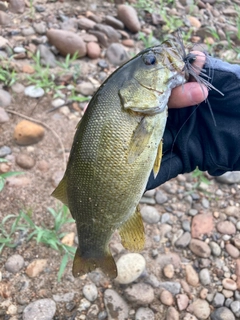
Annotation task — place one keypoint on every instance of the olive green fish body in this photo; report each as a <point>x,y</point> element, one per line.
<point>114,150</point>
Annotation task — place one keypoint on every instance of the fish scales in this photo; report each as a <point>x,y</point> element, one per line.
<point>113,153</point>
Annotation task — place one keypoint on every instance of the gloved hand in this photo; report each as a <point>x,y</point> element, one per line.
<point>192,139</point>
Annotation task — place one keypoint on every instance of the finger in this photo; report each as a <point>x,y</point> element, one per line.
<point>200,60</point>
<point>189,94</point>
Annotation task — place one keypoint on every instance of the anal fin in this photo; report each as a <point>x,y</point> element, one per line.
<point>60,192</point>
<point>157,163</point>
<point>132,232</point>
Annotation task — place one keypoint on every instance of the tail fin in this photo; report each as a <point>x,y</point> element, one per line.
<point>82,265</point>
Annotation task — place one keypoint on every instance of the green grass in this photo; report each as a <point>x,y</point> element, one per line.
<point>8,76</point>
<point>50,237</point>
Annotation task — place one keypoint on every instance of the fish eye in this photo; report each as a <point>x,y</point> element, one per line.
<point>149,59</point>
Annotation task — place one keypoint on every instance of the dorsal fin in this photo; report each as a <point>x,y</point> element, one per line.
<point>60,192</point>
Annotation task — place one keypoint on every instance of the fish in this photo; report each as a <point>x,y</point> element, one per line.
<point>118,142</point>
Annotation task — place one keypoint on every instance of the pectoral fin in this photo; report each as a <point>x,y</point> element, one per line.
<point>132,232</point>
<point>60,192</point>
<point>157,163</point>
<point>139,140</point>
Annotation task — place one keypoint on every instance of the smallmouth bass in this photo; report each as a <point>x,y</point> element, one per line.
<point>117,143</point>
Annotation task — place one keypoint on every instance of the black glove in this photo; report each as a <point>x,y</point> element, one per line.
<point>192,139</point>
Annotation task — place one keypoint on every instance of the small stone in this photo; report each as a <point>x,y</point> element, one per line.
<point>16,6</point>
<point>43,309</point>
<point>227,293</point>
<point>128,16</point>
<point>200,248</point>
<point>226,227</point>
<point>86,88</point>
<point>113,36</point>
<point>128,43</point>
<point>18,87</point>
<point>93,50</point>
<point>113,22</point>
<point>218,300</point>
<point>93,311</point>
<point>116,307</point>
<point>192,212</point>
<point>130,266</point>
<point>166,298</point>
<point>229,177</point>
<point>29,31</point>
<point>64,297</point>
<point>14,263</point>
<point>168,271</point>
<point>203,293</point>
<point>144,314</point>
<point>173,287</point>
<point>191,276</point>
<point>4,151</point>
<point>12,310</point>
<point>232,211</point>
<point>36,267</point>
<point>57,103</point>
<point>202,224</point>
<point>140,293</point>
<point>25,161</point>
<point>222,313</point>
<point>40,27</point>
<point>89,37</point>
<point>5,19</point>
<point>204,276</point>
<point>194,22</point>
<point>68,239</point>
<point>215,248</point>
<point>161,197</point>
<point>84,305</point>
<point>4,117</point>
<point>27,133</point>
<point>182,301</point>
<point>90,292</point>
<point>85,23</point>
<point>172,314</point>
<point>189,316</point>
<point>46,56</point>
<point>235,307</point>
<point>5,98</point>
<point>232,251</point>
<point>186,225</point>
<point>229,284</point>
<point>150,214</point>
<point>117,54</point>
<point>200,308</point>
<point>33,92</point>
<point>183,241</point>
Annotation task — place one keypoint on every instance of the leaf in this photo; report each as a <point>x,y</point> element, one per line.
<point>2,182</point>
<point>62,266</point>
<point>10,174</point>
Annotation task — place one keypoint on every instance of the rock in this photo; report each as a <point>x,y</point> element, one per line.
<point>191,276</point>
<point>140,293</point>
<point>172,314</point>
<point>84,305</point>
<point>229,284</point>
<point>16,6</point>
<point>14,263</point>
<point>150,214</point>
<point>204,276</point>
<point>116,307</point>
<point>130,266</point>
<point>183,241</point>
<point>47,57</point>
<point>67,42</point>
<point>235,307</point>
<point>40,27</point>
<point>194,22</point>
<point>222,313</point>
<point>64,297</point>
<point>128,16</point>
<point>202,224</point>
<point>36,267</point>
<point>166,298</point>
<point>182,301</point>
<point>144,314</point>
<point>232,211</point>
<point>189,316</point>
<point>29,31</point>
<point>85,23</point>
<point>218,300</point>
<point>232,251</point>
<point>18,87</point>
<point>68,239</point>
<point>112,35</point>
<point>4,151</point>
<point>200,308</point>
<point>27,133</point>
<point>215,248</point>
<point>4,117</point>
<point>25,161</point>
<point>90,292</point>
<point>102,38</point>
<point>42,309</point>
<point>5,19</point>
<point>128,43</point>
<point>200,248</point>
<point>57,103</point>
<point>93,50</point>
<point>161,197</point>
<point>113,22</point>
<point>33,91</point>
<point>5,98</point>
<point>226,227</point>
<point>86,88</point>
<point>18,182</point>
<point>168,271</point>
<point>229,177</point>
<point>117,54</point>
<point>173,287</point>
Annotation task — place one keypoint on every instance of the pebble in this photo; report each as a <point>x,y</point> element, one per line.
<point>84,305</point>
<point>173,287</point>
<point>229,284</point>
<point>186,225</point>
<point>235,307</point>
<point>202,224</point>
<point>42,309</point>
<point>128,16</point>
<point>4,117</point>
<point>130,266</point>
<point>14,263</point>
<point>144,314</point>
<point>140,293</point>
<point>25,161</point>
<point>226,227</point>
<point>117,54</point>
<point>5,19</point>
<point>36,267</point>
<point>191,276</point>
<point>93,311</point>
<point>93,50</point>
<point>115,23</point>
<point>85,23</point>
<point>29,31</point>
<point>33,92</point>
<point>168,271</point>
<point>161,197</point>
<point>166,298</point>
<point>183,241</point>
<point>46,56</point>
<point>116,307</point>
<point>204,276</point>
<point>90,291</point>
<point>182,301</point>
<point>200,308</point>
<point>64,297</point>
<point>57,103</point>
<point>232,211</point>
<point>192,212</point>
<point>4,151</point>
<point>27,133</point>
<point>229,177</point>
<point>172,314</point>
<point>68,239</point>
<point>227,293</point>
<point>232,251</point>
<point>5,98</point>
<point>215,248</point>
<point>40,27</point>
<point>67,42</point>
<point>112,35</point>
<point>85,88</point>
<point>200,248</point>
<point>222,313</point>
<point>16,6</point>
<point>218,300</point>
<point>150,214</point>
